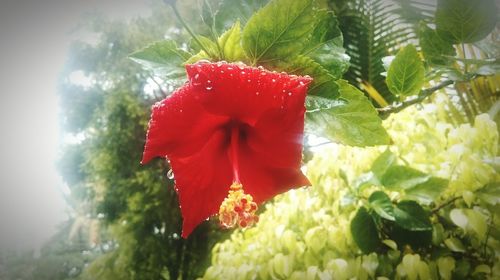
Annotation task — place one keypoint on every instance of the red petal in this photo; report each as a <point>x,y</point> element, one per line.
<point>202,181</point>
<point>264,182</point>
<point>245,93</point>
<point>192,128</point>
<point>179,126</point>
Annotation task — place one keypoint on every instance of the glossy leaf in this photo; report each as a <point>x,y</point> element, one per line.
<point>455,245</point>
<point>406,72</point>
<point>323,82</point>
<point>490,193</point>
<point>383,162</point>
<point>163,58</point>
<point>364,231</point>
<point>326,45</point>
<point>428,191</point>
<point>382,205</point>
<point>433,47</point>
<point>400,177</point>
<point>416,239</point>
<point>355,123</point>
<point>230,44</point>
<point>465,21</point>
<point>411,216</point>
<point>272,33</point>
<point>209,47</point>
<point>229,11</point>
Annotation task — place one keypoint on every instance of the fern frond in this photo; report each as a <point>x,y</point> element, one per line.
<point>373,29</point>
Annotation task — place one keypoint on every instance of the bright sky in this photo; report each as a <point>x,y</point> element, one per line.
<point>33,44</point>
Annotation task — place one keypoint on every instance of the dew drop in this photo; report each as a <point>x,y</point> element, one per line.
<point>289,94</point>
<point>243,73</point>
<point>170,174</point>
<point>301,83</point>
<point>222,71</point>
<point>273,80</point>
<point>257,93</point>
<point>208,88</point>
<point>202,61</point>
<point>229,68</point>
<point>196,76</point>
<point>249,80</point>
<point>209,81</point>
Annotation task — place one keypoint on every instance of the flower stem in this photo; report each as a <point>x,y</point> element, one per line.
<point>184,24</point>
<point>235,139</point>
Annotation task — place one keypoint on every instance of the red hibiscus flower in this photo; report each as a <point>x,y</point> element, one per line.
<point>233,135</point>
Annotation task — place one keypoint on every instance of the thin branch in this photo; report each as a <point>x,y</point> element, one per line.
<point>318,145</point>
<point>184,24</point>
<point>158,85</point>
<point>439,207</point>
<point>386,111</point>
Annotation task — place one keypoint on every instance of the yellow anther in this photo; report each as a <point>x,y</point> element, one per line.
<point>237,208</point>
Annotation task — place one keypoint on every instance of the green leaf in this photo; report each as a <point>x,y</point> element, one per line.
<point>364,231</point>
<point>455,245</point>
<point>201,55</point>
<point>355,123</point>
<point>229,42</point>
<point>323,83</point>
<point>209,47</point>
<point>383,162</point>
<point>433,47</point>
<point>403,177</point>
<point>416,239</point>
<point>163,58</point>
<point>490,193</point>
<point>465,21</point>
<point>231,10</point>
<point>279,30</point>
<point>406,72</point>
<point>382,205</point>
<point>365,180</point>
<point>326,45</point>
<point>411,216</point>
<point>428,191</point>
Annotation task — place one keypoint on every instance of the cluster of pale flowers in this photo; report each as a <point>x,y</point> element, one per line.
<point>305,233</point>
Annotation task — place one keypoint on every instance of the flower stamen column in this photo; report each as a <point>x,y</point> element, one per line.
<point>238,207</point>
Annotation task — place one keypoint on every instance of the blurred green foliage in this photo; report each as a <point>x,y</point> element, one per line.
<point>421,207</point>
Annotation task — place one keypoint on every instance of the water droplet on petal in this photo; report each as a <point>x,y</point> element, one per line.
<point>208,88</point>
<point>257,93</point>
<point>203,61</point>
<point>301,83</point>
<point>243,73</point>
<point>289,94</point>
<point>273,80</point>
<point>196,76</point>
<point>209,82</point>
<point>229,68</point>
<point>170,174</point>
<point>249,80</point>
